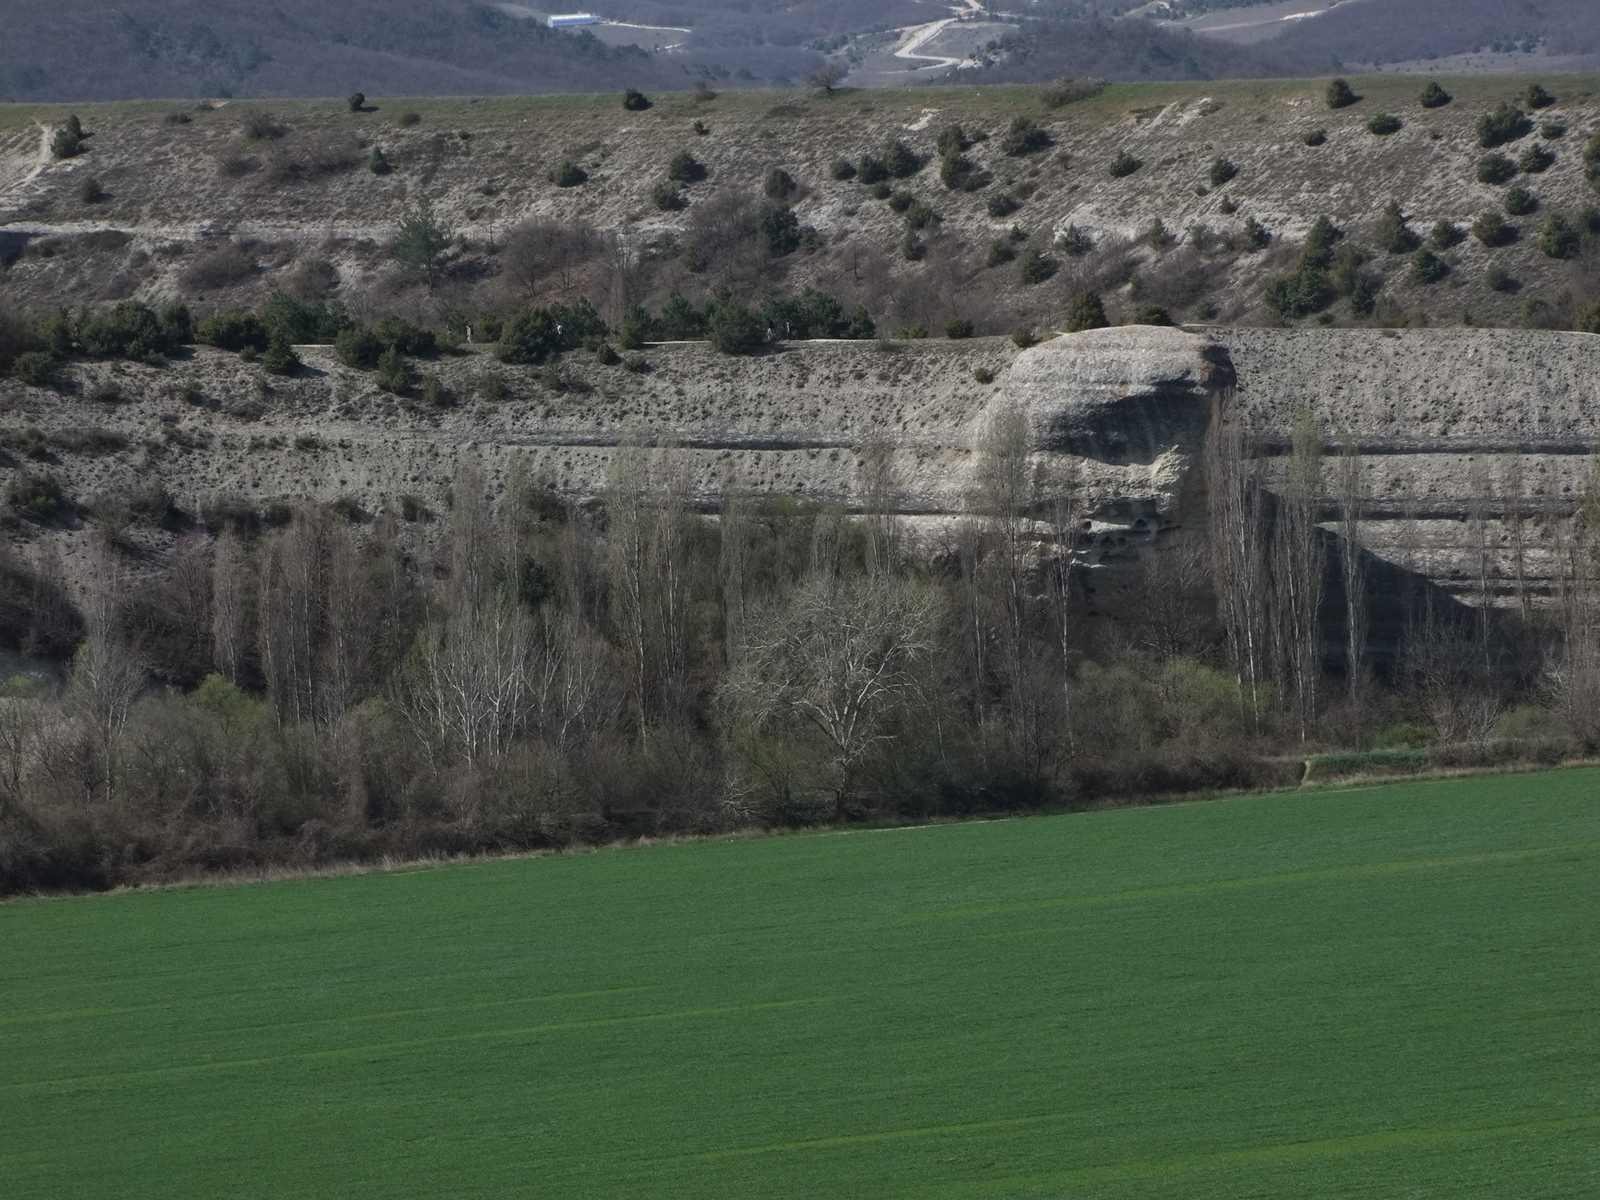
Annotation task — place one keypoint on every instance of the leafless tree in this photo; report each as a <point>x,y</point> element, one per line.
<point>839,657</point>
<point>1301,569</point>
<point>826,78</point>
<point>1238,537</point>
<point>1353,570</point>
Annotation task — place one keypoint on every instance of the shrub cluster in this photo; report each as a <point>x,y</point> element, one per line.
<point>1505,124</point>
<point>1307,288</point>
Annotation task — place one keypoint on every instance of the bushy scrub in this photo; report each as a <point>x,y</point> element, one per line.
<point>1340,94</point>
<point>1505,124</point>
<point>1384,124</point>
<point>1392,233</point>
<point>1124,164</point>
<point>1086,311</point>
<point>1222,170</point>
<point>1492,229</point>
<point>1023,137</point>
<point>1496,169</point>
<point>1428,267</point>
<point>1519,202</point>
<point>1434,96</point>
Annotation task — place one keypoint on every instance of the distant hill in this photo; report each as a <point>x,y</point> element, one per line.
<point>179,48</point>
<point>169,49</point>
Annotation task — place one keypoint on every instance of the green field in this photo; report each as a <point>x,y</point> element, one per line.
<point>1390,992</point>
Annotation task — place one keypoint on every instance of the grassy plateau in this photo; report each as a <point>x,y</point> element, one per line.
<point>1389,992</point>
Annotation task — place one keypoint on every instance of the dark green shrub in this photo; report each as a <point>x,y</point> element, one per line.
<point>899,160</point>
<point>406,337</point>
<point>680,320</point>
<point>1152,314</point>
<point>106,392</point>
<point>779,184</point>
<point>958,327</point>
<point>394,374</point>
<point>779,228</point>
<point>952,140</point>
<point>636,364</point>
<point>813,314</point>
<point>1303,291</point>
<point>1434,96</point>
<point>91,191</point>
<point>1221,171</point>
<point>1075,241</point>
<point>1536,97</point>
<point>234,331</point>
<point>1392,233</point>
<point>1498,279</point>
<point>960,174</point>
<point>357,101</point>
<point>1384,124</point>
<point>69,139</point>
<point>304,324</point>
<point>280,359</point>
<point>920,216</point>
<point>569,174</point>
<point>1038,266</point>
<point>1023,137</point>
<point>1496,169</point>
<point>1492,229</point>
<point>1560,237</point>
<point>880,191</point>
<point>34,367</point>
<point>434,391</point>
<point>410,118</point>
<point>732,328</point>
<point>843,169</point>
<point>606,355</point>
<point>1591,160</point>
<point>983,374</point>
<point>1086,311</point>
<point>1124,164</point>
<point>683,167</point>
<point>377,162</point>
<point>412,509</point>
<point>1520,202</point>
<point>1428,267</point>
<point>1000,251</point>
<point>1588,319</point>
<point>634,100</point>
<point>1505,124</point>
<point>1552,131</point>
<point>899,201</point>
<point>666,197</point>
<point>1535,159</point>
<point>129,330</point>
<point>421,241</point>
<point>530,337</point>
<point>635,328</point>
<point>1315,137</point>
<point>1255,235</point>
<point>1445,234</point>
<point>870,170</point>
<point>1023,336</point>
<point>1158,236</point>
<point>1340,95</point>
<point>1002,204</point>
<point>357,347</point>
<point>36,495</point>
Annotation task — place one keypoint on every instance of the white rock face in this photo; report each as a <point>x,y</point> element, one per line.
<point>1128,395</point>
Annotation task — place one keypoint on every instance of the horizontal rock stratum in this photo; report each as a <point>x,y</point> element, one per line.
<point>1474,443</point>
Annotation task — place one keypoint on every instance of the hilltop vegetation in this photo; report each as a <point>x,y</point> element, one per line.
<point>995,208</point>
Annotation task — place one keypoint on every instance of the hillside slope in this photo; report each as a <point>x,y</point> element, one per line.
<point>222,207</point>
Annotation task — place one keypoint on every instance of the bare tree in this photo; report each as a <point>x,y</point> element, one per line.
<point>1302,569</point>
<point>1238,545</point>
<point>881,498</point>
<point>838,657</point>
<point>1576,675</point>
<point>106,679</point>
<point>290,614</point>
<point>1353,571</point>
<point>826,78</point>
<point>231,589</point>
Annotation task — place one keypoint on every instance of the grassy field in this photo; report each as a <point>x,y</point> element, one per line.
<point>1390,992</point>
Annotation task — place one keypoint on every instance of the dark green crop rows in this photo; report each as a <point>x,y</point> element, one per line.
<point>1378,993</point>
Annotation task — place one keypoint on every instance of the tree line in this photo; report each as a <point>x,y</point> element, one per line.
<point>538,673</point>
